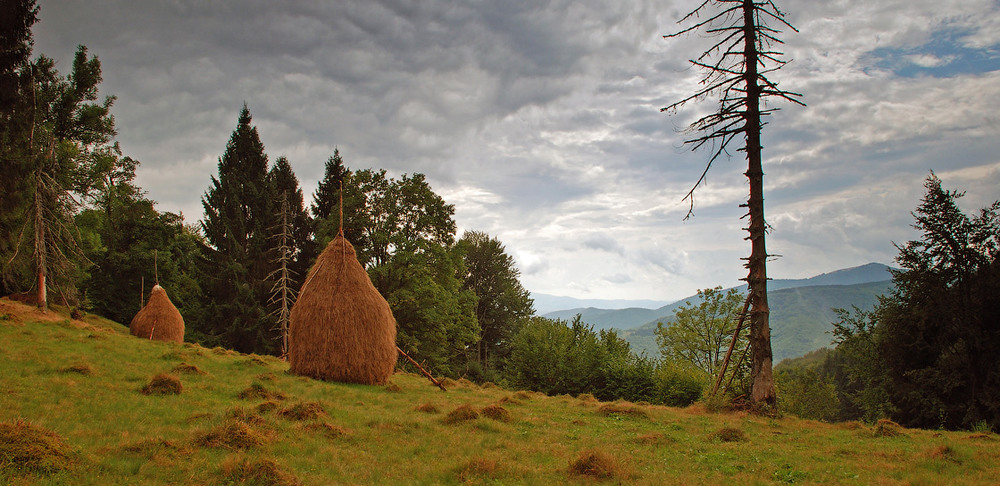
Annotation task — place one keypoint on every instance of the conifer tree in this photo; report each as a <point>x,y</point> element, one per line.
<point>239,214</point>
<point>325,199</point>
<point>285,186</point>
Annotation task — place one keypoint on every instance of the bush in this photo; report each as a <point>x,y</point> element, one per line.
<point>677,386</point>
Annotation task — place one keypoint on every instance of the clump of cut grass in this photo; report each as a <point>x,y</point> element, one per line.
<point>596,464</point>
<point>887,428</point>
<point>522,395</point>
<point>496,412</point>
<point>728,434</point>
<point>427,408</point>
<point>392,387</point>
<point>188,369</point>
<point>303,411</point>
<point>480,468</point>
<point>267,406</point>
<point>587,399</point>
<point>943,452</point>
<point>465,383</point>
<point>266,377</point>
<point>257,391</point>
<point>150,448</point>
<point>79,368</point>
<point>488,385</point>
<point>980,436</point>
<point>232,434</point>
<point>245,415</point>
<point>448,383</point>
<point>163,384</point>
<point>623,409</point>
<point>28,448</point>
<point>327,429</point>
<point>259,472</point>
<point>253,360</point>
<point>461,414</point>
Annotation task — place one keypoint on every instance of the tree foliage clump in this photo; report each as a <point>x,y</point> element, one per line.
<point>924,356</point>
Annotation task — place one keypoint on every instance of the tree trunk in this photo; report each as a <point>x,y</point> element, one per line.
<point>42,298</point>
<point>762,391</point>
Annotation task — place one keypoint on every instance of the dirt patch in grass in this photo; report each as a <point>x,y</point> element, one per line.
<point>427,408</point>
<point>303,411</point>
<point>232,434</point>
<point>163,384</point>
<point>496,412</point>
<point>887,428</point>
<point>240,470</point>
<point>595,464</point>
<point>461,414</point>
<point>256,391</point>
<point>728,434</point>
<point>623,409</point>
<point>79,368</point>
<point>28,448</point>
<point>188,369</point>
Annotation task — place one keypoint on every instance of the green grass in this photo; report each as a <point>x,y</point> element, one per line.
<point>82,382</point>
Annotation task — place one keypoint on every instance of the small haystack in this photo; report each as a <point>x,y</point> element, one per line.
<point>341,328</point>
<point>159,319</point>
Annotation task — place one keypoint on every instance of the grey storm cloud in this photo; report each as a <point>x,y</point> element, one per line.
<point>540,121</point>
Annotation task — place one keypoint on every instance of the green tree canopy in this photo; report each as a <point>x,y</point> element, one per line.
<point>502,302</point>
<point>701,333</point>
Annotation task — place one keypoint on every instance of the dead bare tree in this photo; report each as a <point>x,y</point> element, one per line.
<point>283,290</point>
<point>736,68</point>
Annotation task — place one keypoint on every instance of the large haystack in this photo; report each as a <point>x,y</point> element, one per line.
<point>159,319</point>
<point>341,328</point>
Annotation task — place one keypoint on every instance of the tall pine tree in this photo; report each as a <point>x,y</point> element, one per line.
<point>285,186</point>
<point>239,215</point>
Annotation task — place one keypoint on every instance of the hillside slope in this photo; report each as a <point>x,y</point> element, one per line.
<point>73,411</point>
<point>635,317</point>
<point>801,317</point>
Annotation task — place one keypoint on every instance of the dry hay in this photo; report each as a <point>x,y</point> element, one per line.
<point>260,472</point>
<point>79,368</point>
<point>654,438</point>
<point>232,434</point>
<point>480,468</point>
<point>622,409</point>
<point>394,388</point>
<point>496,412</point>
<point>427,408</point>
<point>245,415</point>
<point>596,464</point>
<point>329,430</point>
<point>887,428</point>
<point>728,434</point>
<point>267,406</point>
<point>27,448</point>
<point>341,328</point>
<point>258,391</point>
<point>303,411</point>
<point>188,369</point>
<point>159,319</point>
<point>163,384</point>
<point>461,414</point>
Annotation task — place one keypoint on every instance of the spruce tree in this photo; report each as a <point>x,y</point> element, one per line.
<point>285,186</point>
<point>239,213</point>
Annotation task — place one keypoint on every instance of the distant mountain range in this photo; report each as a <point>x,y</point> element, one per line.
<point>801,310</point>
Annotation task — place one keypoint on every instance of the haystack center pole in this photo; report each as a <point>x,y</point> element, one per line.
<point>732,344</point>
<point>421,368</point>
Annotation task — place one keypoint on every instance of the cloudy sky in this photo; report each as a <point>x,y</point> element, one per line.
<point>540,121</point>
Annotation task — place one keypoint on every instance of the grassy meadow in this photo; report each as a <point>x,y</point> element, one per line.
<point>83,402</point>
